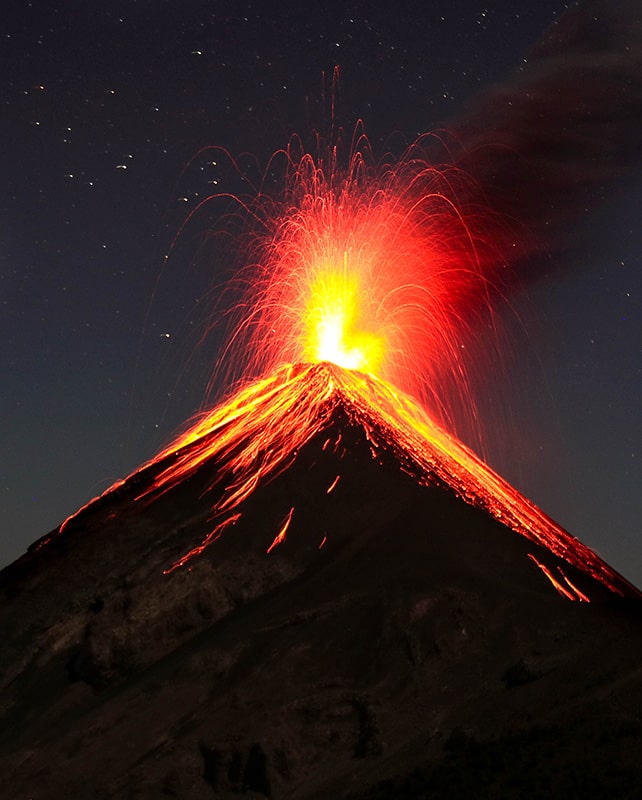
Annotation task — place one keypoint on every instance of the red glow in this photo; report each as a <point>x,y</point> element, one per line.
<point>259,432</point>
<point>378,267</point>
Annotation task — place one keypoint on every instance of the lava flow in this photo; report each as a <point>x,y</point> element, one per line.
<point>259,433</point>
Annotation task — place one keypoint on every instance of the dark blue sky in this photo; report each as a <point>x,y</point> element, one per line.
<point>104,110</point>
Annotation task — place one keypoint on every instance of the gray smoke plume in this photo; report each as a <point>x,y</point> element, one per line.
<point>566,128</point>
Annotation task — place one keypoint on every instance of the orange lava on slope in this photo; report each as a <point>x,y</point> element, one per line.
<point>259,432</point>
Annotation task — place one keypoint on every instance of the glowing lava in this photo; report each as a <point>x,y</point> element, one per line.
<point>334,317</point>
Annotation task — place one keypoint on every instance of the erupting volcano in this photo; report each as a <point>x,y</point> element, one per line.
<point>317,590</point>
<point>386,267</point>
<point>370,279</point>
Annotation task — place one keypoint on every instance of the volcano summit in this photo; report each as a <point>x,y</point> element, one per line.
<point>316,592</point>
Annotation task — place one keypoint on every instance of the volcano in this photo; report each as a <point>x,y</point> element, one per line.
<point>316,592</point>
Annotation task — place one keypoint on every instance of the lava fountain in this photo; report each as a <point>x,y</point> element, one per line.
<point>385,268</point>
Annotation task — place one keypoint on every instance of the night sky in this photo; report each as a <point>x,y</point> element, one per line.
<point>106,109</point>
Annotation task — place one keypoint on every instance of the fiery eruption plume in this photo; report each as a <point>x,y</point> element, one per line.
<point>383,267</point>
